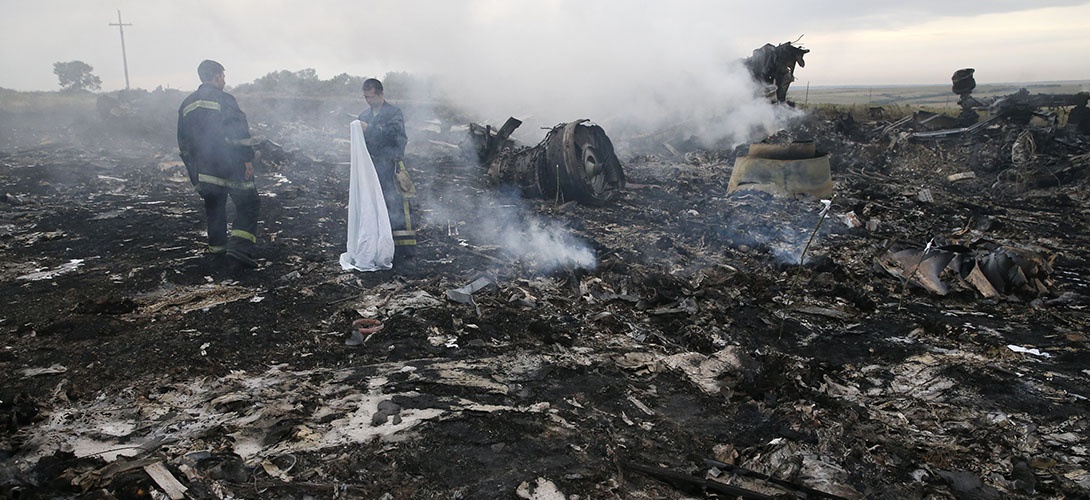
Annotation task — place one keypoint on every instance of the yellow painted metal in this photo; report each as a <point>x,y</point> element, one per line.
<point>803,173</point>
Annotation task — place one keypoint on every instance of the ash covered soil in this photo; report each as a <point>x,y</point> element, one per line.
<point>694,356</point>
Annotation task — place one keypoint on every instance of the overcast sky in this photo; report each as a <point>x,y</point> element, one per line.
<point>556,59</point>
<point>499,42</point>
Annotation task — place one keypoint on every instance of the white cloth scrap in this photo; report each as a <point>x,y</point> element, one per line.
<point>370,239</point>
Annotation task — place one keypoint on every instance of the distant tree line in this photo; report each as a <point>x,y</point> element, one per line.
<point>397,85</point>
<point>78,76</point>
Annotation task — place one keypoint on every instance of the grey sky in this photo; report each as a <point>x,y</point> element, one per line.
<point>574,58</point>
<point>545,38</point>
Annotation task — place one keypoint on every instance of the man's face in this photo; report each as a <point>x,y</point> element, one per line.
<point>373,98</point>
<point>219,81</point>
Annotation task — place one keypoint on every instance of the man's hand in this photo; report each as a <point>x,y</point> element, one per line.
<point>249,175</point>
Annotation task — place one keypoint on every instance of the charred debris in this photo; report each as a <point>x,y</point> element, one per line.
<point>846,309</point>
<point>574,162</point>
<point>773,67</point>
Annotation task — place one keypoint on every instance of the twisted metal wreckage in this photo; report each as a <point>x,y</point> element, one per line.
<point>774,67</point>
<point>1018,108</point>
<point>575,162</point>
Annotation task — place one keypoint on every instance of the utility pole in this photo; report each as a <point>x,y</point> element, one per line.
<point>121,28</point>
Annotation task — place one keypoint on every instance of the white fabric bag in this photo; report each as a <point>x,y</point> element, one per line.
<point>370,239</point>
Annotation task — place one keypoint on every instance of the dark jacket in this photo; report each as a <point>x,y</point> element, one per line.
<point>1079,119</point>
<point>385,135</point>
<point>213,136</point>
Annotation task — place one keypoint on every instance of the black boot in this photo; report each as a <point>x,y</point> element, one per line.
<point>241,259</point>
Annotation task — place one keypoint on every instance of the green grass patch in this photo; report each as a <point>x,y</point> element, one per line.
<point>61,103</point>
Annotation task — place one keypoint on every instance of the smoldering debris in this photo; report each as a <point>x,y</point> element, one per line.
<point>575,161</point>
<point>773,67</point>
<point>675,340</point>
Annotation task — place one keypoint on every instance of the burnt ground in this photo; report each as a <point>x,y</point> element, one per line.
<point>695,350</point>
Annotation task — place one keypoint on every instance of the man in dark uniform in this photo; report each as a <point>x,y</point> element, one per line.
<point>215,144</point>
<point>1079,118</point>
<point>384,132</point>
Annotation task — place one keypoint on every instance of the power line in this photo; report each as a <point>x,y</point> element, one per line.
<point>124,59</point>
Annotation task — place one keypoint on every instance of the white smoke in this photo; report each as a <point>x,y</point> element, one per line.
<point>500,220</point>
<point>622,66</point>
<point>711,98</point>
<point>546,246</point>
<point>789,244</point>
<point>785,243</point>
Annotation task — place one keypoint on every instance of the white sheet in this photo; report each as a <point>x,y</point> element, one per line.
<point>370,240</point>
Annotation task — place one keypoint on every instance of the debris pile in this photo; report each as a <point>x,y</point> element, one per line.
<point>773,67</point>
<point>921,334</point>
<point>575,161</point>
<point>992,270</point>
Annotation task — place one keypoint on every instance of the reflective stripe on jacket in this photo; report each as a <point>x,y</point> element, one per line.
<point>213,135</point>
<point>228,183</point>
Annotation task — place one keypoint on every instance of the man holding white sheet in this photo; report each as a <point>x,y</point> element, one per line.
<point>384,132</point>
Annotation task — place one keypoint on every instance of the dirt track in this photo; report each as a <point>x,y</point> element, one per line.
<point>694,337</point>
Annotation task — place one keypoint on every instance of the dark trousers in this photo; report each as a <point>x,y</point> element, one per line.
<point>397,206</point>
<point>243,233</point>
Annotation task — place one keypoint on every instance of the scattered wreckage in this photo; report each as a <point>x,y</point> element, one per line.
<point>992,270</point>
<point>576,161</point>
<point>1020,143</point>
<point>1018,108</point>
<point>773,66</point>
<point>694,360</point>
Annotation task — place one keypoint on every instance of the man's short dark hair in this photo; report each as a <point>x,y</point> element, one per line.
<point>373,85</point>
<point>208,70</point>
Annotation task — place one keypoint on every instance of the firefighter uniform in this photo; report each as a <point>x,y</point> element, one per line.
<point>1079,117</point>
<point>216,147</point>
<point>386,140</point>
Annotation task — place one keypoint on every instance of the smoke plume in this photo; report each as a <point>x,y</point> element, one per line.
<point>505,222</point>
